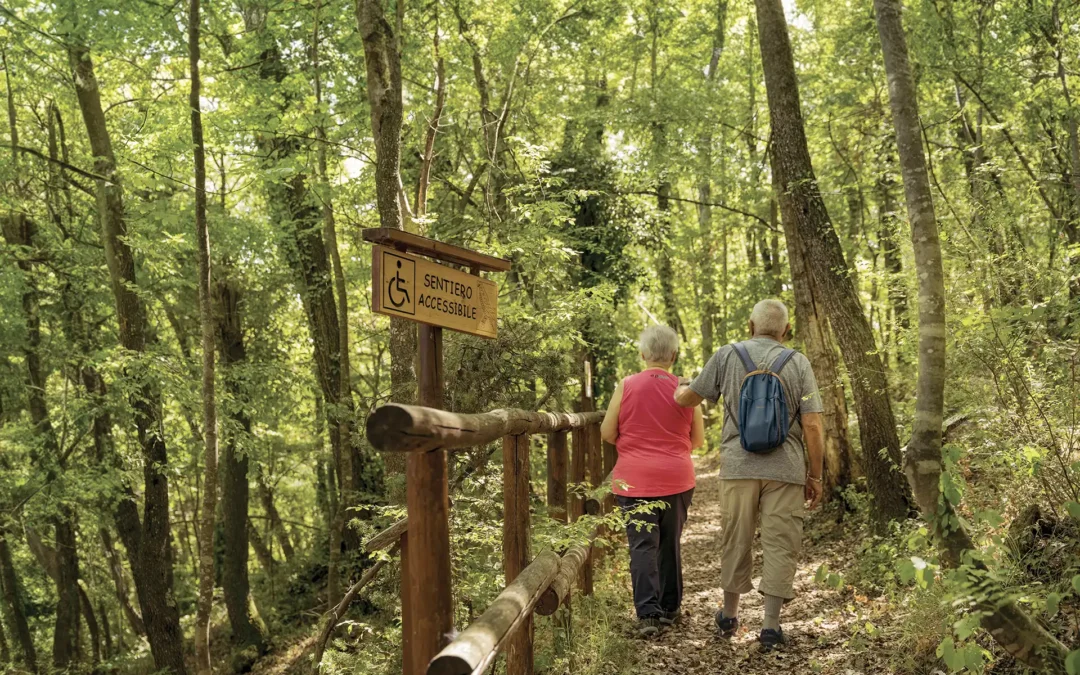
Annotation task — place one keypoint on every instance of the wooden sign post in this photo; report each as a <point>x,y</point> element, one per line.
<point>435,296</point>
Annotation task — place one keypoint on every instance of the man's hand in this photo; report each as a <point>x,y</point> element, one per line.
<point>684,381</point>
<point>813,492</point>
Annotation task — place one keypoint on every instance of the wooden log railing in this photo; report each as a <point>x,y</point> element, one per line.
<point>535,584</point>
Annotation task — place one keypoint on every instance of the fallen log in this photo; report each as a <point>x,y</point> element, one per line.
<point>408,428</point>
<point>474,650</point>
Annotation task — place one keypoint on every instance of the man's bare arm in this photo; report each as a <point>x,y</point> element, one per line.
<point>814,436</point>
<point>685,396</point>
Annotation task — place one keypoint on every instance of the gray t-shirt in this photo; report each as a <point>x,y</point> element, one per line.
<point>723,376</point>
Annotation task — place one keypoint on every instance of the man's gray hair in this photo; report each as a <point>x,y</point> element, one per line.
<point>770,317</point>
<point>658,344</point>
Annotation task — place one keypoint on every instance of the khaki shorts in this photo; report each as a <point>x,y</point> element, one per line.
<point>781,509</point>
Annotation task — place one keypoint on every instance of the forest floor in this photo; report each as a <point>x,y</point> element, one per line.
<point>828,630</point>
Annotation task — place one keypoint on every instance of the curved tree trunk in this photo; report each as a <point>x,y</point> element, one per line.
<point>160,614</point>
<point>1010,626</point>
<point>802,205</point>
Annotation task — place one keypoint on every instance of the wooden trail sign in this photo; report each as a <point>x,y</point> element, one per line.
<point>427,292</point>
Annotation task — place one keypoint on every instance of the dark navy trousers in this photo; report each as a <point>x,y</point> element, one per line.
<point>656,550</point>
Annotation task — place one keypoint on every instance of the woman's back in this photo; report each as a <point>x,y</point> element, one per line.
<point>654,438</point>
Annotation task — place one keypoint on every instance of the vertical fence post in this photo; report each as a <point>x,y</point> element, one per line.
<point>516,536</point>
<point>610,457</point>
<point>430,595</point>
<point>595,461</point>
<point>408,623</point>
<point>556,475</point>
<point>579,437</point>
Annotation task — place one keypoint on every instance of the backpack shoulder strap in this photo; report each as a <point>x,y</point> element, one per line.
<point>782,360</point>
<point>744,356</point>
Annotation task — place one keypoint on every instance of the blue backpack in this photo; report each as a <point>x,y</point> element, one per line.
<point>763,409</point>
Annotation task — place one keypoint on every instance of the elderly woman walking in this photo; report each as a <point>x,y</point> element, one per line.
<point>653,478</point>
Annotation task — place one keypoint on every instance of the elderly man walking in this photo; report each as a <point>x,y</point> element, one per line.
<point>758,481</point>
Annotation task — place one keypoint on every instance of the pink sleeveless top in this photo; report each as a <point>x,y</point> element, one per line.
<point>654,438</point>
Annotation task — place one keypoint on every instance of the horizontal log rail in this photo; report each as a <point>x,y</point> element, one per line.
<point>537,585</point>
<point>569,568</point>
<point>593,505</point>
<point>409,428</point>
<point>476,647</point>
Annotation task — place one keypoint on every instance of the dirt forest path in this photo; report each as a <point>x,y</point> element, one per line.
<point>818,624</point>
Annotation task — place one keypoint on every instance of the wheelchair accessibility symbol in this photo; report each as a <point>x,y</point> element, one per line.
<point>400,278</point>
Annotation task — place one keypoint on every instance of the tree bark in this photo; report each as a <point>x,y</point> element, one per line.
<point>1012,628</point>
<point>5,649</point>
<point>247,625</point>
<point>203,663</point>
<point>91,623</point>
<point>14,610</point>
<point>116,569</point>
<point>813,329</point>
<point>160,614</point>
<point>20,232</point>
<point>802,205</point>
<point>277,526</point>
<point>383,65</point>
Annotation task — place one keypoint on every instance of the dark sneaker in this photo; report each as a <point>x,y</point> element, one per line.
<point>670,618</point>
<point>727,626</point>
<point>648,626</point>
<point>771,639</point>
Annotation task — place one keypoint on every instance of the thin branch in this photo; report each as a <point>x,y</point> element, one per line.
<point>761,222</point>
<point>1016,148</point>
<point>59,162</point>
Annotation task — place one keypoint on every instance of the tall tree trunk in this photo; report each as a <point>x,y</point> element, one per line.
<point>160,614</point>
<point>91,623</point>
<point>262,551</point>
<point>802,205</point>
<point>347,468</point>
<point>1013,629</point>
<point>116,569</point>
<point>887,230</point>
<point>106,632</point>
<point>20,233</point>
<point>125,509</point>
<point>709,309</point>
<point>14,610</point>
<point>247,626</point>
<point>277,526</point>
<point>307,253</point>
<point>383,64</point>
<point>5,649</point>
<point>203,663</point>
<point>813,329</point>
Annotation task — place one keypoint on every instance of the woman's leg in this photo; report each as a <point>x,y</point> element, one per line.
<point>672,520</point>
<point>643,533</point>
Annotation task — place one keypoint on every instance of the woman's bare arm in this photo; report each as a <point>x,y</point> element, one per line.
<point>697,429</point>
<point>609,428</point>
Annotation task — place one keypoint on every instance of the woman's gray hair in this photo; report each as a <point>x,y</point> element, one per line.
<point>770,317</point>
<point>658,344</point>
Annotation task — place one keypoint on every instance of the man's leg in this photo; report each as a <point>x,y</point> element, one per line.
<point>643,534</point>
<point>739,510</point>
<point>782,514</point>
<point>672,521</point>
